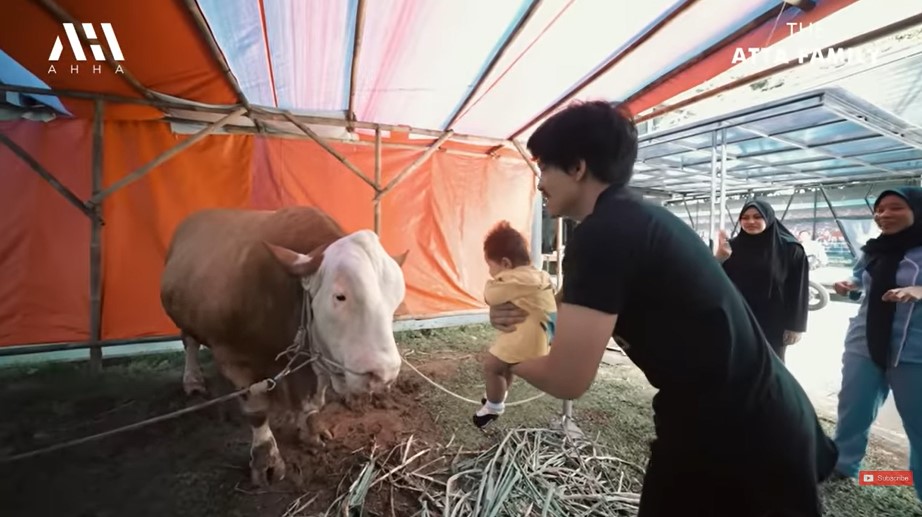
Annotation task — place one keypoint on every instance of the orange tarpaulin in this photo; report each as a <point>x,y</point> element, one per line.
<point>441,213</point>
<point>141,217</point>
<point>44,240</point>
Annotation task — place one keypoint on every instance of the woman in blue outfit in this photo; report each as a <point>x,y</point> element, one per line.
<point>883,346</point>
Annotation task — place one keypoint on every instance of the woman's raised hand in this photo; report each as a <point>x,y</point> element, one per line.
<point>723,246</point>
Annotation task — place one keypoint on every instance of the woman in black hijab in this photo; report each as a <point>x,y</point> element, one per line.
<point>768,265</point>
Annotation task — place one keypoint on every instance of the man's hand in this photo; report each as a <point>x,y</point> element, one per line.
<point>723,246</point>
<point>844,287</point>
<point>506,316</point>
<point>904,294</point>
<point>791,337</point>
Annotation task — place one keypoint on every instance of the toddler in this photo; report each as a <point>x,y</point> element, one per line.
<point>514,279</point>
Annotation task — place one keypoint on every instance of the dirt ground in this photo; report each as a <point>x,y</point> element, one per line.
<point>196,465</point>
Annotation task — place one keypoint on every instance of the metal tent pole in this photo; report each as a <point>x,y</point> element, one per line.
<point>816,199</point>
<point>723,179</point>
<point>377,199</point>
<point>712,222</point>
<point>835,215</point>
<point>537,220</point>
<point>96,243</point>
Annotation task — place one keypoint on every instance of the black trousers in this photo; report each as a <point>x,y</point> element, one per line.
<point>677,485</point>
<point>779,351</point>
<point>716,471</point>
<point>775,337</point>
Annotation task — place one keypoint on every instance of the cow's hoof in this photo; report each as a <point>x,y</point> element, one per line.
<point>314,434</point>
<point>193,386</point>
<point>316,441</point>
<point>266,464</point>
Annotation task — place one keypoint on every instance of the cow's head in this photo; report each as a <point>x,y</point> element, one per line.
<point>355,288</point>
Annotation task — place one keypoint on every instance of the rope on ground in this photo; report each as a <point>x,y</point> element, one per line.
<point>301,341</point>
<point>257,388</point>
<point>459,397</point>
<point>130,427</point>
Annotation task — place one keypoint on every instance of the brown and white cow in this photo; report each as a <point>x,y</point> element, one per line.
<point>234,281</point>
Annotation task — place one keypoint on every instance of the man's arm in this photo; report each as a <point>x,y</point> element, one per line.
<point>570,367</point>
<point>595,269</point>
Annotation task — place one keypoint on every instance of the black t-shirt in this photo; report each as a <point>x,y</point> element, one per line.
<point>680,319</point>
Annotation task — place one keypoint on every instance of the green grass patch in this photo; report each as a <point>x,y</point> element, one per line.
<point>196,465</point>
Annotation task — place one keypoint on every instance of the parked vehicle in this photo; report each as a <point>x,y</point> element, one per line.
<point>819,296</point>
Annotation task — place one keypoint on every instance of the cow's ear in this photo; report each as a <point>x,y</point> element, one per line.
<point>400,259</point>
<point>296,264</point>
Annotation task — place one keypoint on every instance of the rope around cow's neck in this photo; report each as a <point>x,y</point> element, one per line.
<point>306,343</point>
<point>301,345</point>
<point>306,340</point>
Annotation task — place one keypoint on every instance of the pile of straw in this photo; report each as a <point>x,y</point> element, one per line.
<point>529,472</point>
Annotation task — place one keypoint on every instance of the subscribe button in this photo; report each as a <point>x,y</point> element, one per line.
<point>885,477</point>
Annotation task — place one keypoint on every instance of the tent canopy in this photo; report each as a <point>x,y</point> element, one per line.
<point>463,76</point>
<point>479,67</point>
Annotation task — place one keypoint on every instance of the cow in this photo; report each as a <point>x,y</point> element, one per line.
<point>239,281</point>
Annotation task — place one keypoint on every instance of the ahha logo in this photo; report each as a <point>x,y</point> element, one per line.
<point>95,47</point>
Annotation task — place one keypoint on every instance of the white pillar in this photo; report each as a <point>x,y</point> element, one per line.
<point>557,252</point>
<point>537,230</point>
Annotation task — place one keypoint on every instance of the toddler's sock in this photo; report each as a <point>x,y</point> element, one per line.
<point>483,399</point>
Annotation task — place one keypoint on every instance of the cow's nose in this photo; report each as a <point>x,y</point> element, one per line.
<point>377,380</point>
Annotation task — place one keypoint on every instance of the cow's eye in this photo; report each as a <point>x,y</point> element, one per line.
<point>340,297</point>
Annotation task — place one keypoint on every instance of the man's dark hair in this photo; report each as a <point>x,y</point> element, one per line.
<point>601,133</point>
<point>504,241</point>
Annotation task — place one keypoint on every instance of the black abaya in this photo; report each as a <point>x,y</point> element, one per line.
<point>771,271</point>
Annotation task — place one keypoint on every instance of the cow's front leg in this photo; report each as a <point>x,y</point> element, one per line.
<point>311,429</point>
<point>266,465</point>
<point>192,379</point>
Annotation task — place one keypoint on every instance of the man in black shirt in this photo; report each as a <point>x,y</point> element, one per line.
<point>736,435</point>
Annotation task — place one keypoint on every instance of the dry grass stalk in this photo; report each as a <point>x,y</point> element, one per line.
<point>530,472</point>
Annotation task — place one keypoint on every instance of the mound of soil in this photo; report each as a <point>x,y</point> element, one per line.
<point>380,422</point>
